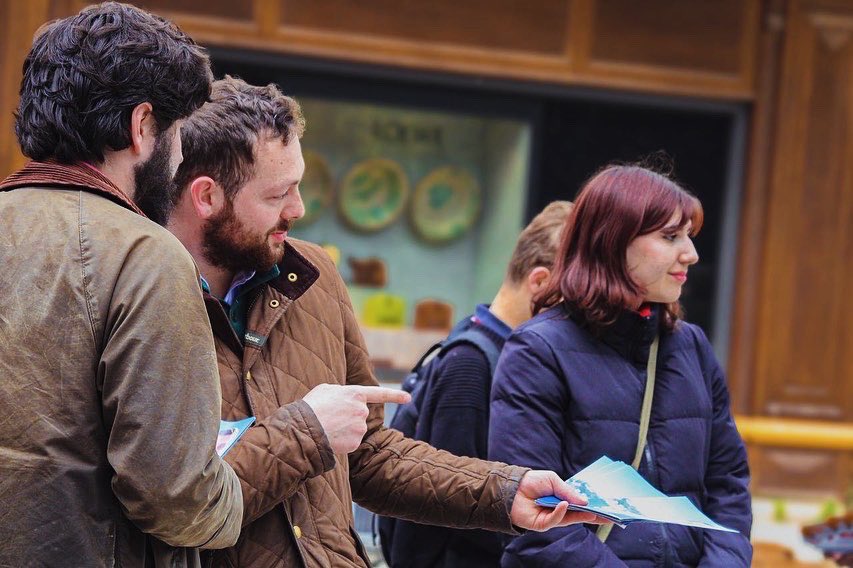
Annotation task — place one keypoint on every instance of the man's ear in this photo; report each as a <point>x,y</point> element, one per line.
<point>143,129</point>
<point>537,278</point>
<point>207,197</point>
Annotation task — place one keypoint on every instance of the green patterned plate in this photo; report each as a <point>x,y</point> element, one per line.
<point>316,187</point>
<point>373,194</point>
<point>445,205</point>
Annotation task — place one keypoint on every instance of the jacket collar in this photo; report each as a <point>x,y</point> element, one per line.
<point>64,176</point>
<point>297,273</point>
<point>631,335</point>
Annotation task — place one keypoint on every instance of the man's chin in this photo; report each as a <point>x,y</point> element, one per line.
<point>273,260</point>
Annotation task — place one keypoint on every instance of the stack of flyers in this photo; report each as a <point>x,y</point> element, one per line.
<point>616,492</point>
<point>833,537</point>
<point>230,432</point>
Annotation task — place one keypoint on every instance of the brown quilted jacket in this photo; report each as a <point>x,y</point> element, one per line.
<point>297,494</point>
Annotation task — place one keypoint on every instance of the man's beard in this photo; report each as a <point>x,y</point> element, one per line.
<point>229,244</point>
<point>155,184</point>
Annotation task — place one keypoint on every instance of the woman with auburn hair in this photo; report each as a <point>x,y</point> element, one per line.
<point>570,383</point>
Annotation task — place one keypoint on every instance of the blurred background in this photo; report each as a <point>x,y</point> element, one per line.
<point>437,129</point>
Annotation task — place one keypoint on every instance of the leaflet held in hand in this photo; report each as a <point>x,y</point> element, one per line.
<point>230,432</point>
<point>615,491</point>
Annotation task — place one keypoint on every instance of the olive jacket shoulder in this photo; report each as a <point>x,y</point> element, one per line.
<point>108,384</point>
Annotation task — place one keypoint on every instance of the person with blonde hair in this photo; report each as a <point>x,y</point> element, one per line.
<point>450,409</point>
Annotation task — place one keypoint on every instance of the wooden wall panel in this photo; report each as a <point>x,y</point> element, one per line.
<point>805,332</point>
<point>505,38</point>
<point>756,198</point>
<point>702,48</point>
<point>513,25</point>
<point>679,47</point>
<point>224,22</point>
<point>700,36</point>
<point>809,473</point>
<point>7,91</point>
<point>230,10</point>
<point>18,23</point>
<point>804,328</point>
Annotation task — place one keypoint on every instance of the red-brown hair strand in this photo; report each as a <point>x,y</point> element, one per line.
<point>614,207</point>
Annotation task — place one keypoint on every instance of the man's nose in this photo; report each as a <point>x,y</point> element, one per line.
<point>294,209</point>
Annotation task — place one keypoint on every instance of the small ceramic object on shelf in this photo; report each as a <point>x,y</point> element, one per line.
<point>373,194</point>
<point>384,310</point>
<point>370,271</point>
<point>433,314</point>
<point>316,188</point>
<point>445,205</point>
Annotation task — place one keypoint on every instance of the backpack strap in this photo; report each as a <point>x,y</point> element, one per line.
<point>475,336</point>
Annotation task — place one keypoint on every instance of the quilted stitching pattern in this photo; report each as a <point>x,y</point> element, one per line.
<point>286,468</point>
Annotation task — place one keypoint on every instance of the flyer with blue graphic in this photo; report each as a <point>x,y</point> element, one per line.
<point>230,432</point>
<point>615,491</point>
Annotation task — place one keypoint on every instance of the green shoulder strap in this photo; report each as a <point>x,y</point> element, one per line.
<point>604,530</point>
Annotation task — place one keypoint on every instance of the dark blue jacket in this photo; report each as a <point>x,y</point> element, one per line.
<point>562,398</point>
<point>454,417</point>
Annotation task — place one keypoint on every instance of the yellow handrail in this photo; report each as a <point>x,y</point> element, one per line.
<point>792,433</point>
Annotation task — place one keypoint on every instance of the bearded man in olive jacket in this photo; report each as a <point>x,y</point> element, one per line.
<point>291,354</point>
<point>109,393</point>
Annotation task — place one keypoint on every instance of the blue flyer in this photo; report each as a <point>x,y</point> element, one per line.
<point>615,491</point>
<point>230,432</point>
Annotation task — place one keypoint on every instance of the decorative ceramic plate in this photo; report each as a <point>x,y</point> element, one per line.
<point>316,187</point>
<point>445,205</point>
<point>373,194</point>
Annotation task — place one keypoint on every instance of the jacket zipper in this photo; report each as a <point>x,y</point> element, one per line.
<point>667,549</point>
<point>252,305</point>
<point>245,384</point>
<point>247,378</point>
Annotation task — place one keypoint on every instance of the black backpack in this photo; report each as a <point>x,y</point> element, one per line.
<point>418,382</point>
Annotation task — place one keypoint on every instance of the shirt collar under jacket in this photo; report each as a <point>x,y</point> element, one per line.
<point>490,321</point>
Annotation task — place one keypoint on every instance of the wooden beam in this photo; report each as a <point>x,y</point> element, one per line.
<point>788,433</point>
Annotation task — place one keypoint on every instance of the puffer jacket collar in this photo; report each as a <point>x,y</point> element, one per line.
<point>631,335</point>
<point>64,176</point>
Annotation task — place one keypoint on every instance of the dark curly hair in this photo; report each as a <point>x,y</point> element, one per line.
<point>85,74</point>
<point>219,139</point>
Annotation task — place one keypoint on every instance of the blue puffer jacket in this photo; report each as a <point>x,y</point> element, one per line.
<point>562,398</point>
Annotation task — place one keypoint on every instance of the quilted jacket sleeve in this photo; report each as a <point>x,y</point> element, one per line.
<point>529,398</point>
<point>399,477</point>
<point>276,455</point>
<point>727,475</point>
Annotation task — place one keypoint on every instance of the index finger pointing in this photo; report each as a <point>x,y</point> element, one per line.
<point>382,394</point>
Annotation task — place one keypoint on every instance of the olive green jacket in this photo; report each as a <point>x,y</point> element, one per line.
<point>109,393</point>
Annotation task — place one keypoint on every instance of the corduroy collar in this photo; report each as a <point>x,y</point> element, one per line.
<point>64,176</point>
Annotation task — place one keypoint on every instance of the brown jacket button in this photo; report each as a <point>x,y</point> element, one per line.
<point>274,303</point>
<point>297,532</point>
<point>292,277</point>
